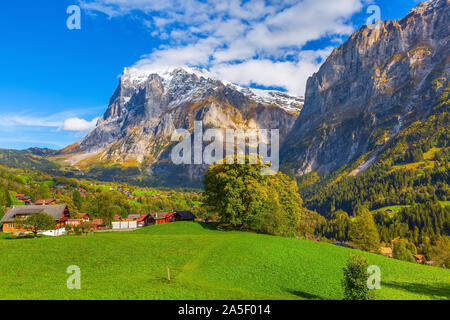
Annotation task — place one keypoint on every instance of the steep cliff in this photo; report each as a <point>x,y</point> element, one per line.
<point>377,83</point>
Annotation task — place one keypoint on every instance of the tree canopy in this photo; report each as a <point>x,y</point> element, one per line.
<point>243,198</point>
<point>40,221</point>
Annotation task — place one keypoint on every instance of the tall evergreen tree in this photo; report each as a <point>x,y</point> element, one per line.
<point>363,231</point>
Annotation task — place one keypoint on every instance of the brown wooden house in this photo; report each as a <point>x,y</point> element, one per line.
<point>59,212</point>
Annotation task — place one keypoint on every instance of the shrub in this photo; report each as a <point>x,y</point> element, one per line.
<point>401,251</point>
<point>355,279</point>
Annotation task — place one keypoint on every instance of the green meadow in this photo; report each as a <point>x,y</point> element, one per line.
<point>204,264</point>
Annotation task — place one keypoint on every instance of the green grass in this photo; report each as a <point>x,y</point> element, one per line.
<point>395,209</point>
<point>204,264</point>
<point>14,200</point>
<point>23,179</point>
<point>134,202</point>
<point>142,192</point>
<point>445,203</point>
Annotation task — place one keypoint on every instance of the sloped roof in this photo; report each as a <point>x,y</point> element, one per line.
<point>83,215</point>
<point>56,211</point>
<point>185,215</point>
<point>161,215</point>
<point>137,216</point>
<point>45,201</point>
<point>134,216</point>
<point>97,222</point>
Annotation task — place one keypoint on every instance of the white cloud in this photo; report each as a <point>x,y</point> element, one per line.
<point>246,42</point>
<point>56,121</point>
<point>284,74</point>
<point>77,124</point>
<point>9,120</point>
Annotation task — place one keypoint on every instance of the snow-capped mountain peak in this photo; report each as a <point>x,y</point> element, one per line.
<point>173,79</point>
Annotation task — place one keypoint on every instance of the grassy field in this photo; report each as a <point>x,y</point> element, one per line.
<point>14,200</point>
<point>445,203</point>
<point>204,264</point>
<point>395,209</point>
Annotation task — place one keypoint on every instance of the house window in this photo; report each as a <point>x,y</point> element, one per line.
<point>11,225</point>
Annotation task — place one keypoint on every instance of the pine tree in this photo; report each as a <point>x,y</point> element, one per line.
<point>363,231</point>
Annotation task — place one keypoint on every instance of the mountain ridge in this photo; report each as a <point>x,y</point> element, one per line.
<point>147,107</point>
<point>369,89</point>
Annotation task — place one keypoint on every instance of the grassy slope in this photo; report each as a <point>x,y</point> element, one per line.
<point>14,200</point>
<point>204,264</point>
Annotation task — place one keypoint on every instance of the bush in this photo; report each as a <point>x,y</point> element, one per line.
<point>440,253</point>
<point>402,251</point>
<point>355,279</point>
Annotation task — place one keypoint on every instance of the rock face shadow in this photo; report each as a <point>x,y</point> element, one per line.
<point>432,290</point>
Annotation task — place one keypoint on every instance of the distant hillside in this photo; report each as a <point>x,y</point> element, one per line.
<point>27,159</point>
<point>413,168</point>
<point>375,126</point>
<point>42,152</point>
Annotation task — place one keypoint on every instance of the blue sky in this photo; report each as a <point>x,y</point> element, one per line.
<point>55,81</point>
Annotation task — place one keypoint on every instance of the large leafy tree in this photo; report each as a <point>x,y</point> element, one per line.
<point>77,199</point>
<point>402,252</point>
<point>40,221</point>
<point>243,198</point>
<point>238,192</point>
<point>440,254</point>
<point>110,203</point>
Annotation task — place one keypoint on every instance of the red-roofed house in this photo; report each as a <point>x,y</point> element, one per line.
<point>84,216</point>
<point>41,202</point>
<point>98,224</point>
<point>161,217</point>
<point>419,258</point>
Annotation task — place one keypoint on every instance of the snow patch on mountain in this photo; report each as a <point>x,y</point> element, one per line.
<point>136,77</point>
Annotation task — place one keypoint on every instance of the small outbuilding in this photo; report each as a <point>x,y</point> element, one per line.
<point>184,216</point>
<point>98,224</point>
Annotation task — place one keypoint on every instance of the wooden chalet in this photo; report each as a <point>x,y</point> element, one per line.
<point>59,212</point>
<point>419,258</point>
<point>142,220</point>
<point>98,224</point>
<point>161,217</point>
<point>84,216</point>
<point>74,222</point>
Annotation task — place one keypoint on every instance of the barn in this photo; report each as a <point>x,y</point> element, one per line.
<point>161,217</point>
<point>184,216</point>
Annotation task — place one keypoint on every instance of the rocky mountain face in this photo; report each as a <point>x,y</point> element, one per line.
<point>147,108</point>
<point>378,82</point>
